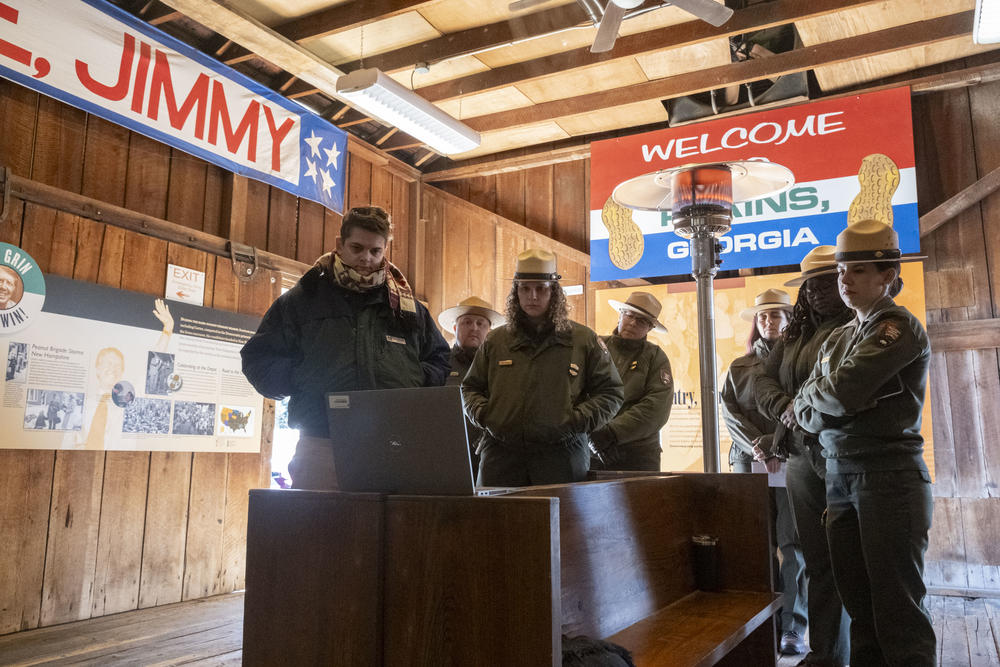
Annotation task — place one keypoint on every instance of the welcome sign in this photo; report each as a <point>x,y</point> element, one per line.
<point>94,56</point>
<point>852,157</point>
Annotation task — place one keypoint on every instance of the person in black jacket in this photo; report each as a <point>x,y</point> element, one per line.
<point>351,323</point>
<point>631,441</point>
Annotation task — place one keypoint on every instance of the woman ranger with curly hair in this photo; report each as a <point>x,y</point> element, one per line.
<point>538,385</point>
<point>818,311</point>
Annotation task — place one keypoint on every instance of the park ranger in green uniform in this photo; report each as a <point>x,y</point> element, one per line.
<point>864,399</point>
<point>539,385</point>
<point>631,441</point>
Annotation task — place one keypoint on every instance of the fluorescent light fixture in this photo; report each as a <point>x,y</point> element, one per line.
<point>382,97</point>
<point>986,26</point>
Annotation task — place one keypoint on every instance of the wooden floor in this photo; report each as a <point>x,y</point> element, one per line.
<point>209,632</point>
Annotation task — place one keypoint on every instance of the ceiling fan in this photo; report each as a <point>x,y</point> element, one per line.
<point>610,17</point>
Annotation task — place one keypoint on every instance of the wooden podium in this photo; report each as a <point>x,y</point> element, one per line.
<point>370,579</point>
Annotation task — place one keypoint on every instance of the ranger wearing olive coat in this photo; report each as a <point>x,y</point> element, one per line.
<point>539,385</point>
<point>631,441</point>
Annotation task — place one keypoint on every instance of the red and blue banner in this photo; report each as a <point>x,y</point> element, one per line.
<point>851,156</point>
<point>94,56</point>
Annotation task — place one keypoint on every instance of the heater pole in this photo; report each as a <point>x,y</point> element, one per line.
<point>704,266</point>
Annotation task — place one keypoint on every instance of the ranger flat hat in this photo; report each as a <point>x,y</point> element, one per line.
<point>818,262</point>
<point>535,264</point>
<point>870,241</point>
<point>768,300</point>
<point>471,306</point>
<point>644,304</point>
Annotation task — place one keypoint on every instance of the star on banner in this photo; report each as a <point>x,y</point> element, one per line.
<point>328,183</point>
<point>331,156</point>
<point>314,143</point>
<point>311,171</point>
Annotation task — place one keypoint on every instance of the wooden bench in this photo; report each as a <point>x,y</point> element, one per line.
<point>339,578</point>
<point>627,572</point>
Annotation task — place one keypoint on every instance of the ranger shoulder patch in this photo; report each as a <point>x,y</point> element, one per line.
<point>665,377</point>
<point>888,332</point>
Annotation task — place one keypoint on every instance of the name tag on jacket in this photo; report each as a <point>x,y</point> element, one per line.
<point>395,339</point>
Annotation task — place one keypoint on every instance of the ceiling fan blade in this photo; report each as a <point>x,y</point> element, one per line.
<point>519,5</point>
<point>607,31</point>
<point>707,10</point>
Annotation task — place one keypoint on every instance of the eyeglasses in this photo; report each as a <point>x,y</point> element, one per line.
<point>639,319</point>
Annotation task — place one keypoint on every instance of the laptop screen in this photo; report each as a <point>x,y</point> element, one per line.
<point>401,441</point>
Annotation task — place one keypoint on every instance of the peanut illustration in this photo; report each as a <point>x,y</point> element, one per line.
<point>625,243</point>
<point>879,178</point>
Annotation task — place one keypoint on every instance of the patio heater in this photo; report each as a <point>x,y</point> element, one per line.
<point>700,198</point>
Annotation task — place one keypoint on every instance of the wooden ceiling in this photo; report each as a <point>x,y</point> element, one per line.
<point>528,78</point>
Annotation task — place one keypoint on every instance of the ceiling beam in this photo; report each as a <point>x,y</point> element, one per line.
<point>751,19</point>
<point>483,166</point>
<point>454,44</point>
<point>757,17</point>
<point>251,34</point>
<point>884,41</point>
<point>344,16</point>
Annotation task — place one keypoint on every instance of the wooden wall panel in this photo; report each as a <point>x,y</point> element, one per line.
<point>571,204</point>
<point>203,551</point>
<point>456,258</point>
<point>18,111</point>
<point>309,244</point>
<point>105,161</point>
<point>359,182</point>
<point>399,248</point>
<point>59,136</point>
<point>482,254</point>
<point>24,513</point>
<point>186,190</point>
<point>538,200</point>
<point>282,223</point>
<point>433,212</point>
<point>510,195</point>
<point>256,215</point>
<point>164,534</point>
<point>148,176</point>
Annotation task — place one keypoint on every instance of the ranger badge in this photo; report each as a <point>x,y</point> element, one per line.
<point>888,332</point>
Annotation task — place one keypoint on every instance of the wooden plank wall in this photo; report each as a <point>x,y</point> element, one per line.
<point>93,533</point>
<point>551,200</point>
<point>957,141</point>
<point>467,250</point>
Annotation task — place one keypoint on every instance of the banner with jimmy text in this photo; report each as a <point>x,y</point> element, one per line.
<point>94,56</point>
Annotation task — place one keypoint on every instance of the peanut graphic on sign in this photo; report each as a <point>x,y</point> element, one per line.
<point>879,178</point>
<point>625,241</point>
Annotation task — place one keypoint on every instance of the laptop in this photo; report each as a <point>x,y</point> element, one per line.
<point>402,441</point>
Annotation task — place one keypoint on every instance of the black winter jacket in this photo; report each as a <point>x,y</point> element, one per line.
<point>319,337</point>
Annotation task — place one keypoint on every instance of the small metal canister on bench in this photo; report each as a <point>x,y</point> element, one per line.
<point>706,562</point>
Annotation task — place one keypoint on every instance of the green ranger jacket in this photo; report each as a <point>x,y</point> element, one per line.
<point>528,393</point>
<point>786,368</point>
<point>649,395</point>
<point>319,337</point>
<point>460,362</point>
<point>739,403</point>
<point>866,393</point>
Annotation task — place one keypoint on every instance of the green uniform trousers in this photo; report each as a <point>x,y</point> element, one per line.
<point>877,524</point>
<point>555,464</point>
<point>805,477</point>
